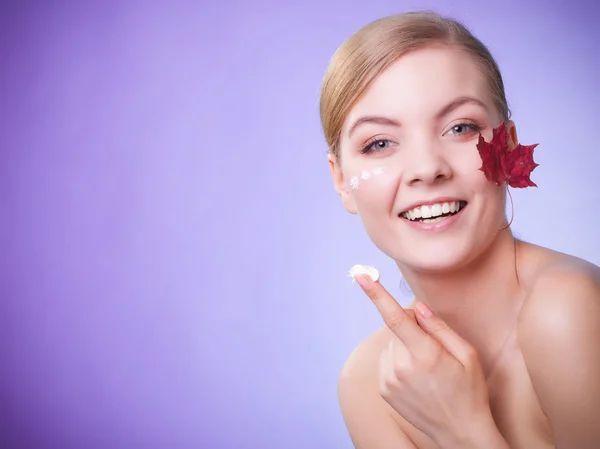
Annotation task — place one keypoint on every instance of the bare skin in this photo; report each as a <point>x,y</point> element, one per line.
<point>529,316</point>
<point>516,407</point>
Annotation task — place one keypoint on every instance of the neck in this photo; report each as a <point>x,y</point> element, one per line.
<point>479,301</point>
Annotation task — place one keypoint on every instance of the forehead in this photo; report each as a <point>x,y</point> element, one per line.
<point>421,82</point>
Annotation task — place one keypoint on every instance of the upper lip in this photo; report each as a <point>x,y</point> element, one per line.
<point>441,200</point>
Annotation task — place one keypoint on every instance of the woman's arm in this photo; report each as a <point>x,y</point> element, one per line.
<point>367,416</point>
<point>559,333</point>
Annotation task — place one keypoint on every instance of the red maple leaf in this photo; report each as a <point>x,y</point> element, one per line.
<point>501,165</point>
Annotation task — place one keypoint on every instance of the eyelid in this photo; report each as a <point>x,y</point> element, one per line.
<point>376,138</point>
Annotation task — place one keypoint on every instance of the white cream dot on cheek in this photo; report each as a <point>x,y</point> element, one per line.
<point>376,196</point>
<point>365,176</point>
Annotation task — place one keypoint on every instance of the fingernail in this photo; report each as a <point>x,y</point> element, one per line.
<point>364,280</point>
<point>424,310</point>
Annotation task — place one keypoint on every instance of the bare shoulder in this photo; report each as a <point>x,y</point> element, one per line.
<point>369,419</point>
<point>562,290</point>
<point>557,285</point>
<point>559,336</point>
<point>362,362</point>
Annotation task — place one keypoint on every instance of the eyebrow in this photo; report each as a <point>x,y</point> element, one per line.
<point>379,120</point>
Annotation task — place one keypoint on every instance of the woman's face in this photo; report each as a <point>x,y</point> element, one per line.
<point>408,154</point>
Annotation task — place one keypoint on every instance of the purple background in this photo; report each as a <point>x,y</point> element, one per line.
<point>174,257</point>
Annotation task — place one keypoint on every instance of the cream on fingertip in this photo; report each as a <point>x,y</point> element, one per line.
<point>364,269</point>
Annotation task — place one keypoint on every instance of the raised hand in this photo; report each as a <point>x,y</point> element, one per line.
<point>429,374</point>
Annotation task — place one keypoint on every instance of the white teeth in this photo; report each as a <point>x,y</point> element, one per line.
<point>433,220</point>
<point>433,211</point>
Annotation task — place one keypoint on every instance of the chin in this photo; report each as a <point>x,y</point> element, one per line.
<point>434,255</point>
<point>434,264</point>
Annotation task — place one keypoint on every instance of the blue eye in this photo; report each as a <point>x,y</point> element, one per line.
<point>373,146</point>
<point>463,128</point>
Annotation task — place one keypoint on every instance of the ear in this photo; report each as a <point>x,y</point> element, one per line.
<point>341,184</point>
<point>513,140</point>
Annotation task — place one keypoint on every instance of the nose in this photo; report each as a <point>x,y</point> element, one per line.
<point>426,164</point>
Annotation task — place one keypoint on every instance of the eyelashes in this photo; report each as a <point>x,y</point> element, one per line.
<point>378,144</point>
<point>373,145</point>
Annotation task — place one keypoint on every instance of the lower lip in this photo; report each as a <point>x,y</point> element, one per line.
<point>443,225</point>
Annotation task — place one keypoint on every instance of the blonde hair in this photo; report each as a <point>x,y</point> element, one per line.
<point>373,48</point>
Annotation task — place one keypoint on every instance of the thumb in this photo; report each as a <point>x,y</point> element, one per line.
<point>447,337</point>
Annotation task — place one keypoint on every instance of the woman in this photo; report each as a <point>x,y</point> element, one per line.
<point>502,347</point>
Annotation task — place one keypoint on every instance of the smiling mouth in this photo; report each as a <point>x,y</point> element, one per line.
<point>434,213</point>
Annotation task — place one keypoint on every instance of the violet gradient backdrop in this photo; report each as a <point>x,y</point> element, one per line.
<point>174,257</point>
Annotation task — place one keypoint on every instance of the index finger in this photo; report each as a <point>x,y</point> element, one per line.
<point>394,316</point>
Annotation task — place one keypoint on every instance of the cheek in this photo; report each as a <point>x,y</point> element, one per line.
<point>490,196</point>
<point>466,165</point>
<point>373,190</point>
<point>467,160</point>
